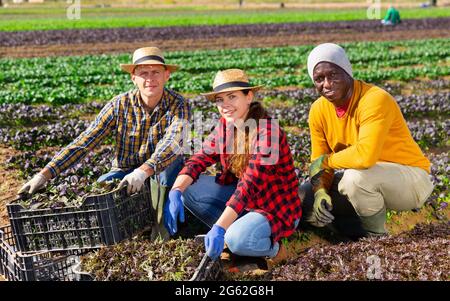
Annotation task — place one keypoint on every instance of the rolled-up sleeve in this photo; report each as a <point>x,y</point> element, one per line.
<point>171,145</point>
<point>85,142</point>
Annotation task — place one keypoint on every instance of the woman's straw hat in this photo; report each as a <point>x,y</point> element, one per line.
<point>230,80</point>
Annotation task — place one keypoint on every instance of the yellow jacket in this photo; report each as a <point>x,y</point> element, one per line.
<point>373,129</point>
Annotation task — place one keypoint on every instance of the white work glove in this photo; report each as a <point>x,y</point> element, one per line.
<point>135,181</point>
<point>36,183</point>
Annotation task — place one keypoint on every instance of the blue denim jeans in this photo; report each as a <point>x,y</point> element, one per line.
<point>167,177</point>
<point>249,235</point>
<point>206,199</point>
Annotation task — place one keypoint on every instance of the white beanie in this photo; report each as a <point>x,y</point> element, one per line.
<point>329,52</point>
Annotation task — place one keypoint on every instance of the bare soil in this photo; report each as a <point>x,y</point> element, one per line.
<point>218,43</point>
<point>9,183</point>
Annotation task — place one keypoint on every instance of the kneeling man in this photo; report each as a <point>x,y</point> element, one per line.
<point>358,130</point>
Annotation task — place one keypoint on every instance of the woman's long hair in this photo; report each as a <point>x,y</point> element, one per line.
<point>239,162</point>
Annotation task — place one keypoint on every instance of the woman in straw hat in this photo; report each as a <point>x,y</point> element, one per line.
<point>254,202</point>
<point>146,121</point>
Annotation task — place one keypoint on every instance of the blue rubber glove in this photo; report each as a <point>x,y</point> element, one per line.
<point>173,210</point>
<point>214,241</point>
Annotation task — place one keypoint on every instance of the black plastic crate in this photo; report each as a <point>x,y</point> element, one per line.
<point>207,270</point>
<point>42,266</point>
<point>101,220</point>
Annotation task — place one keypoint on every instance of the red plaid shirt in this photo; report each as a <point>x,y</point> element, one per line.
<point>270,189</point>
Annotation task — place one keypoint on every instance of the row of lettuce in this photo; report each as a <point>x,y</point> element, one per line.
<point>61,80</point>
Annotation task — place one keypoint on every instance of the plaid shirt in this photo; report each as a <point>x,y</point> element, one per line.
<point>269,189</point>
<point>141,137</point>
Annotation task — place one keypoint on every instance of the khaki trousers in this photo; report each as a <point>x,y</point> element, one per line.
<point>390,185</point>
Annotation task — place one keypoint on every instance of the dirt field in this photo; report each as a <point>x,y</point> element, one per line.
<point>9,184</point>
<point>219,42</point>
<point>23,45</point>
<point>234,3</point>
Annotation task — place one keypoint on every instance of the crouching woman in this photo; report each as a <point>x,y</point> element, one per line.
<point>254,201</point>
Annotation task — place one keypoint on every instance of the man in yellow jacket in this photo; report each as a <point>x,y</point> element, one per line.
<point>358,130</point>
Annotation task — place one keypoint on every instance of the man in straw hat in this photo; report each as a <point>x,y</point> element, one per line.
<point>147,123</point>
<point>254,202</point>
<point>358,128</point>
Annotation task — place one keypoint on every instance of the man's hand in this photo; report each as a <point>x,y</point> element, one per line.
<point>173,210</point>
<point>214,241</point>
<point>321,214</point>
<point>36,183</point>
<point>135,181</point>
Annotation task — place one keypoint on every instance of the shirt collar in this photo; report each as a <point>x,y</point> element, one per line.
<point>163,104</point>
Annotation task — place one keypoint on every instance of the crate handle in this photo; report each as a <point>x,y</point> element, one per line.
<point>22,196</point>
<point>115,191</point>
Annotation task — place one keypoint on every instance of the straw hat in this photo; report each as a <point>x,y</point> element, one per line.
<point>230,80</point>
<point>147,56</point>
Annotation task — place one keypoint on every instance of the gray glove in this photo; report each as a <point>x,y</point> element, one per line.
<point>135,181</point>
<point>36,183</point>
<point>321,214</point>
